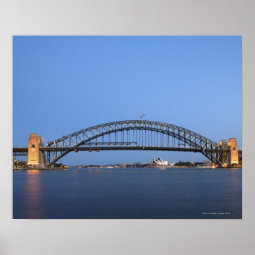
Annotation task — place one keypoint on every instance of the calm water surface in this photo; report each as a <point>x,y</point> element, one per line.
<point>142,193</point>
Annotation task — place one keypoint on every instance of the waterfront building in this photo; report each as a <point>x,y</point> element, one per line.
<point>158,161</point>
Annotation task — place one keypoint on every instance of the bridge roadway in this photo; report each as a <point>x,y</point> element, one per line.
<point>21,150</point>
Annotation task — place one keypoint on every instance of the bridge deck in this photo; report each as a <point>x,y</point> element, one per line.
<point>104,148</point>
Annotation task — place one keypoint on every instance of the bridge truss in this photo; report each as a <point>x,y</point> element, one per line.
<point>133,135</point>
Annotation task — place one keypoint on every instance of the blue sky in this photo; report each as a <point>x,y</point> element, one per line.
<point>62,84</point>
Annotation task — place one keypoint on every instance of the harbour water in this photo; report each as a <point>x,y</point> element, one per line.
<point>128,193</point>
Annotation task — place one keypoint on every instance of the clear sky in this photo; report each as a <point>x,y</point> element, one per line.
<point>62,84</point>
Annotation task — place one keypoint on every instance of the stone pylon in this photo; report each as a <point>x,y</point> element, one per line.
<point>35,157</point>
<point>233,153</point>
<point>229,158</point>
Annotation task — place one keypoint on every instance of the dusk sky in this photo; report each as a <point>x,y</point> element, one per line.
<point>63,84</point>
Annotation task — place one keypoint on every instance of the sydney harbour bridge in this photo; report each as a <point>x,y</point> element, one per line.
<point>128,135</point>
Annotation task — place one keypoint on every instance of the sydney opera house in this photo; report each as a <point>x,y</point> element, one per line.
<point>158,161</point>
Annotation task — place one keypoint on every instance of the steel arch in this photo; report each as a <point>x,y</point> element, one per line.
<point>193,140</point>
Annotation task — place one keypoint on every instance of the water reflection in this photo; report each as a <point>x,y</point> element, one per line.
<point>34,171</point>
<point>161,168</point>
<point>33,194</point>
<point>95,170</point>
<point>98,170</point>
<point>99,193</point>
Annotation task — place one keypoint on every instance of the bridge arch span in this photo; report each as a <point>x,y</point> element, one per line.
<point>134,134</point>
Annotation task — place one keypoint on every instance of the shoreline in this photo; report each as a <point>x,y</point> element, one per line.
<point>95,167</point>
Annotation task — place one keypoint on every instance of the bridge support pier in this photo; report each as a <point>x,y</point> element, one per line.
<point>233,152</point>
<point>35,157</point>
<point>229,158</point>
<point>224,155</point>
